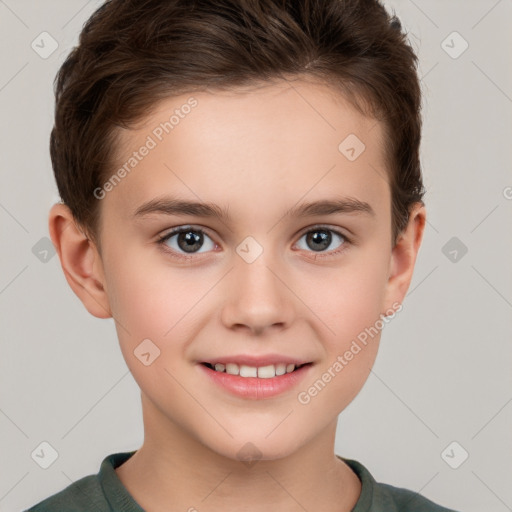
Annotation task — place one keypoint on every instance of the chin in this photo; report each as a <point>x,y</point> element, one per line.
<point>252,445</point>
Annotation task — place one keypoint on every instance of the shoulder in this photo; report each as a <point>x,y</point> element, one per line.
<point>403,500</point>
<point>102,492</point>
<point>380,497</point>
<point>83,495</point>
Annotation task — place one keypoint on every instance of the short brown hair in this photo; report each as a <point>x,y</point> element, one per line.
<point>133,53</point>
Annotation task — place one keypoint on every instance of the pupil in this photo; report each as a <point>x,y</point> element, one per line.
<point>190,240</point>
<point>320,237</point>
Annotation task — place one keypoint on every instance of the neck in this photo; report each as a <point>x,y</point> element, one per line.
<point>174,471</point>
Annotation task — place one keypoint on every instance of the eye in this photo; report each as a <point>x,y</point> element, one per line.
<point>321,237</point>
<point>186,239</point>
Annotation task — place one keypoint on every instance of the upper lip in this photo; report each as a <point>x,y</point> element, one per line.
<point>257,361</point>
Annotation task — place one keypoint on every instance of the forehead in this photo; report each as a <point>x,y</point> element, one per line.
<point>252,147</point>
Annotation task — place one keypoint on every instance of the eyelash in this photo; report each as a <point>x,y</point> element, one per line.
<point>185,229</point>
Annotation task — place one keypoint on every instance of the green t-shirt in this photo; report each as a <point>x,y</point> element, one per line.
<point>104,492</point>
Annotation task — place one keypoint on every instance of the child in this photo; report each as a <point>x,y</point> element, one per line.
<point>254,130</point>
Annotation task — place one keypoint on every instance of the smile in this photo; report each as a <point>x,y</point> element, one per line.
<point>261,372</point>
<point>255,382</point>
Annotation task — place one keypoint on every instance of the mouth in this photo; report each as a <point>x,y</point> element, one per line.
<point>256,382</point>
<point>262,372</point>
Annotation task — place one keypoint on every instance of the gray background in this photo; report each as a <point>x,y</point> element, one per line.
<point>443,372</point>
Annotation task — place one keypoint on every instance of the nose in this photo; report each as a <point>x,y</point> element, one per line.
<point>258,298</point>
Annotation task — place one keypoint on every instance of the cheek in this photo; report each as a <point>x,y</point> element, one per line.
<point>348,299</point>
<point>147,296</point>
<point>151,318</point>
<point>351,311</point>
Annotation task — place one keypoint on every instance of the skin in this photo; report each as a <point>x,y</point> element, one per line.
<point>258,152</point>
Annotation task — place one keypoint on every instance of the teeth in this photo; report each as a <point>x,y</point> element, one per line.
<point>263,372</point>
<point>248,371</point>
<point>267,372</point>
<point>232,369</point>
<point>280,369</point>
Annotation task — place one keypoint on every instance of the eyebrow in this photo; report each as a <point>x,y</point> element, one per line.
<point>173,206</point>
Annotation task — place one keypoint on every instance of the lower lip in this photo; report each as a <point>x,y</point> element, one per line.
<point>254,388</point>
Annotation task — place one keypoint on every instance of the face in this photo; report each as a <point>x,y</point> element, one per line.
<point>257,279</point>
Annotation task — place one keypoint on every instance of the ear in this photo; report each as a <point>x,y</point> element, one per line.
<point>80,261</point>
<point>403,257</point>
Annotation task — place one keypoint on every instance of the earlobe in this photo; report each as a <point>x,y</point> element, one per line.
<point>80,261</point>
<point>403,257</point>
